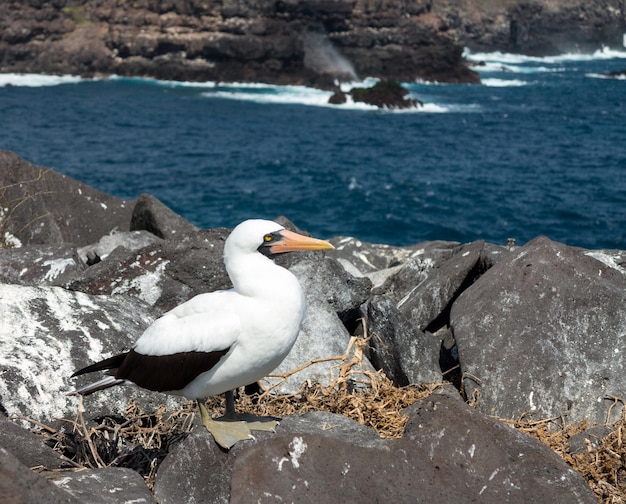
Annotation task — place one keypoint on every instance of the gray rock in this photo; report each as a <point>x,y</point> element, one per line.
<point>379,261</point>
<point>47,333</point>
<point>152,215</point>
<point>196,470</point>
<point>210,479</point>
<point>131,241</point>
<point>470,457</point>
<point>424,295</point>
<point>29,448</point>
<point>542,332</point>
<point>589,439</point>
<point>21,485</point>
<point>109,485</point>
<point>406,354</point>
<point>324,279</point>
<point>413,303</point>
<point>330,292</point>
<point>39,265</point>
<point>164,274</point>
<point>59,209</point>
<point>449,453</point>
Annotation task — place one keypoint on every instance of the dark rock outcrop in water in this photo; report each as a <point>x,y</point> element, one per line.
<point>617,74</point>
<point>385,94</point>
<point>531,330</point>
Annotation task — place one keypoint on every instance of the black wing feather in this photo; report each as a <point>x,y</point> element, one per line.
<point>110,363</point>
<point>164,373</point>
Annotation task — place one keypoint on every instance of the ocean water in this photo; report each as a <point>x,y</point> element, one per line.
<point>538,149</point>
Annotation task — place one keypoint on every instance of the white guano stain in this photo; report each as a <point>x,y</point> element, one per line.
<point>472,450</point>
<point>533,407</point>
<point>147,285</point>
<point>57,267</point>
<point>297,447</point>
<point>610,260</point>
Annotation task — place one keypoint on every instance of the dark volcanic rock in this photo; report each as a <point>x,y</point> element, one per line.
<point>164,274</point>
<point>539,329</point>
<point>449,453</point>
<point>109,485</point>
<point>406,353</point>
<point>27,447</point>
<point>379,261</point>
<point>533,27</point>
<point>21,485</point>
<point>415,302</point>
<point>385,94</point>
<point>59,209</point>
<point>47,333</point>
<point>152,215</point>
<point>617,74</point>
<point>338,98</point>
<point>313,42</point>
<point>542,332</point>
<point>40,264</point>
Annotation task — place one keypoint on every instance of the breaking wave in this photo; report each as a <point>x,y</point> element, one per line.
<point>37,80</point>
<point>497,57</point>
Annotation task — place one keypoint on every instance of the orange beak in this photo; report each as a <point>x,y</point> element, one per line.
<point>293,242</point>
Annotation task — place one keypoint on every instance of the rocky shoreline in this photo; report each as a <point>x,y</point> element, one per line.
<point>533,332</point>
<point>312,42</point>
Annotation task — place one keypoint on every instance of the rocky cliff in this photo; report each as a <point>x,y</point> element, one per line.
<point>312,41</point>
<point>534,27</point>
<point>292,41</point>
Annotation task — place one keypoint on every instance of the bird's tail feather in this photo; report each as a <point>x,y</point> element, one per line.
<point>109,381</point>
<point>106,364</point>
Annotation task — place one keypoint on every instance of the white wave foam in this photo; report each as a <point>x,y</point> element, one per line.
<point>498,57</point>
<point>503,82</point>
<point>37,80</point>
<point>605,76</point>
<point>495,66</point>
<point>301,95</point>
<point>263,93</point>
<point>433,108</point>
<point>164,83</point>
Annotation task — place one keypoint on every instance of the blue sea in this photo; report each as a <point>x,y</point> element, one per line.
<point>538,149</point>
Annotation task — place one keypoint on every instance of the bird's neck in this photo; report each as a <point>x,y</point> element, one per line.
<point>258,276</point>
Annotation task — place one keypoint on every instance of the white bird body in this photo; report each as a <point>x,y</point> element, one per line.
<point>219,341</point>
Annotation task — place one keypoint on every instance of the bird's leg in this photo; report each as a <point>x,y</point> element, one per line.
<point>225,432</point>
<point>230,403</point>
<point>253,422</point>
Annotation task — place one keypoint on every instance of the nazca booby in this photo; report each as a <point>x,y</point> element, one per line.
<point>219,341</point>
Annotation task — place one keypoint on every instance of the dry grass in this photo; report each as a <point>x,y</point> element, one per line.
<point>9,206</point>
<point>141,440</point>
<point>603,465</point>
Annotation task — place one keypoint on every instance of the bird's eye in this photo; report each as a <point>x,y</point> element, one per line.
<point>268,238</point>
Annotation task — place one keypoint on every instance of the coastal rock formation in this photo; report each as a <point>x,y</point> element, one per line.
<point>326,458</point>
<point>549,337</point>
<point>535,330</point>
<point>535,27</point>
<point>311,42</point>
<point>305,42</point>
<point>385,94</point>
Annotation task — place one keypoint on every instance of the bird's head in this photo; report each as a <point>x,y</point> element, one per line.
<point>268,238</point>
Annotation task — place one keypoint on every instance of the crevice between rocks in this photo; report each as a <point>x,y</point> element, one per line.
<point>449,363</point>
